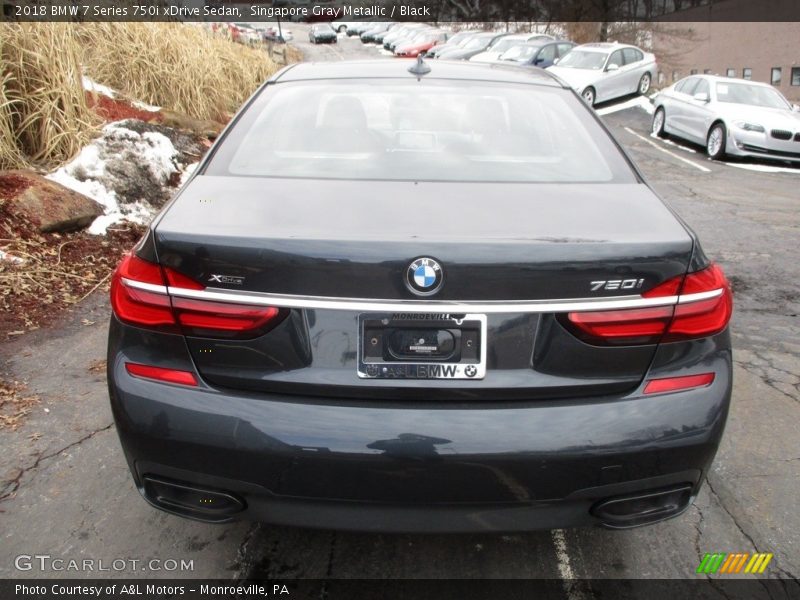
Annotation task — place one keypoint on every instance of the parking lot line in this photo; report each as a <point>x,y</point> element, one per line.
<point>665,151</point>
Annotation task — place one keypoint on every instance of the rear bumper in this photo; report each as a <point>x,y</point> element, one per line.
<point>417,466</point>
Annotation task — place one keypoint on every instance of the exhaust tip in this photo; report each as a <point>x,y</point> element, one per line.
<point>191,501</point>
<point>643,508</point>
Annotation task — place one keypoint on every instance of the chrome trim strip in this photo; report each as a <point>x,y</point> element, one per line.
<point>699,296</point>
<point>374,305</point>
<point>148,287</point>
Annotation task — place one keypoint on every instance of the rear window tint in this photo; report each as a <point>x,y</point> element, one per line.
<point>434,131</point>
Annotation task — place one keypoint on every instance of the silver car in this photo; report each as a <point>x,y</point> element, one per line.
<point>729,116</point>
<point>604,71</point>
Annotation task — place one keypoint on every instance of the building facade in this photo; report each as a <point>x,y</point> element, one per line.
<point>761,51</point>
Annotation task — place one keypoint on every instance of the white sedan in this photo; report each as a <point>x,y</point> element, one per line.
<point>729,116</point>
<point>604,71</point>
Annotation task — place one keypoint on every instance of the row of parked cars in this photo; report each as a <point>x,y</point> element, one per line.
<point>598,72</point>
<point>730,117</point>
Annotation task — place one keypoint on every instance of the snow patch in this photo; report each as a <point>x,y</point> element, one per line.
<point>187,172</point>
<point>640,102</point>
<point>671,143</point>
<point>16,260</point>
<point>145,106</point>
<point>92,86</point>
<point>764,168</point>
<point>121,169</point>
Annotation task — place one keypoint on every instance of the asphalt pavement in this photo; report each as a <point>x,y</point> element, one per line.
<point>65,490</point>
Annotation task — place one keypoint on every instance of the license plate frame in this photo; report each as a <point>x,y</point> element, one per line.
<point>470,368</point>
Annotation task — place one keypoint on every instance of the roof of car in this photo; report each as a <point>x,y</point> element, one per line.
<point>398,69</point>
<point>603,46</point>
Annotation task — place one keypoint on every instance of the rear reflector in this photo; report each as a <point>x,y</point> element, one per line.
<point>140,296</point>
<point>674,384</point>
<point>161,374</point>
<point>704,306</point>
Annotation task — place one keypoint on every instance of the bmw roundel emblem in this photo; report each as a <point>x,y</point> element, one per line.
<point>424,276</point>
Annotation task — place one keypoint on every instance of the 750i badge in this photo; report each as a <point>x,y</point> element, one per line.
<point>422,346</point>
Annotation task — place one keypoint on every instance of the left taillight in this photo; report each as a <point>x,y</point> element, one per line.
<point>141,296</point>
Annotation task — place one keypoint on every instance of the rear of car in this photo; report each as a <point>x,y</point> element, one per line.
<point>468,313</point>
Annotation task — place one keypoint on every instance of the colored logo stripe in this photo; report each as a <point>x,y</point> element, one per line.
<point>759,562</point>
<point>721,562</point>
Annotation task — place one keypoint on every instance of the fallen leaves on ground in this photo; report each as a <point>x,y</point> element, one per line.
<point>14,404</point>
<point>60,269</point>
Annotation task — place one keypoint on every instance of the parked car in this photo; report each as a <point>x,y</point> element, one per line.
<point>476,44</point>
<point>425,42</point>
<point>497,49</point>
<point>434,361</point>
<point>400,32</point>
<point>343,26</point>
<point>358,27</point>
<point>411,37</point>
<point>322,33</point>
<point>602,72</point>
<point>368,36</point>
<point>537,54</point>
<point>244,34</point>
<point>458,39</point>
<point>729,116</point>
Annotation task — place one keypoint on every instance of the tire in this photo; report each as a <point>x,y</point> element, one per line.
<point>342,28</point>
<point>589,96</point>
<point>659,118</point>
<point>644,84</point>
<point>715,141</point>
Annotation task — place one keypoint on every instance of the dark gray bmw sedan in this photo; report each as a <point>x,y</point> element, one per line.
<point>401,297</point>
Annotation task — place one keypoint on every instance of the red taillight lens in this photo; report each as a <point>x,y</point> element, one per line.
<point>137,306</point>
<point>635,326</point>
<point>200,317</point>
<point>161,374</point>
<point>703,317</point>
<point>674,384</point>
<point>150,305</point>
<point>704,308</point>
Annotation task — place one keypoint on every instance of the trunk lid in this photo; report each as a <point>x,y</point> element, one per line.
<point>335,239</point>
<point>355,239</point>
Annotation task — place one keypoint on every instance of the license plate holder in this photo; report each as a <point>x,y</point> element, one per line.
<point>421,346</point>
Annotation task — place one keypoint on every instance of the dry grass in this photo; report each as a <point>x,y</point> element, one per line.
<point>44,118</point>
<point>181,67</point>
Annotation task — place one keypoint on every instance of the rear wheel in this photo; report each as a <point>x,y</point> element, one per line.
<point>644,84</point>
<point>588,96</point>
<point>342,28</point>
<point>715,142</point>
<point>658,122</point>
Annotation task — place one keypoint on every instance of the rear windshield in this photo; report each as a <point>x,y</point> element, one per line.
<point>436,130</point>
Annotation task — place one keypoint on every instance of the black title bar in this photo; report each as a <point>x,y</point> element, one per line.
<point>441,11</point>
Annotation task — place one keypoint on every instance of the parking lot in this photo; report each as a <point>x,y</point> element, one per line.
<point>67,492</point>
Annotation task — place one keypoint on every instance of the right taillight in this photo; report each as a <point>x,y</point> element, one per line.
<point>140,296</point>
<point>699,305</point>
<point>704,306</point>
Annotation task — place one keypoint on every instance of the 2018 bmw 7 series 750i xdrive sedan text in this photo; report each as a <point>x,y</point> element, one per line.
<point>402,296</point>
